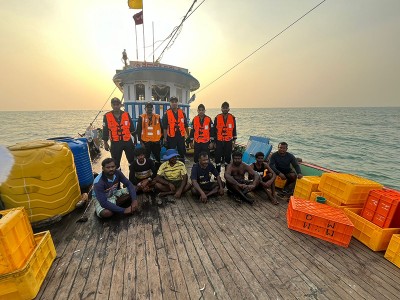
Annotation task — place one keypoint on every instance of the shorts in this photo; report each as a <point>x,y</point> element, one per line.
<point>112,199</point>
<point>176,183</point>
<point>208,186</point>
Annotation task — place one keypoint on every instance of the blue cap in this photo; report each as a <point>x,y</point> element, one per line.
<point>170,153</point>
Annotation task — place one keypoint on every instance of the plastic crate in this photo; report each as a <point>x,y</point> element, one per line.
<point>16,239</point>
<point>305,186</point>
<point>314,195</point>
<point>25,283</point>
<point>337,203</point>
<point>392,253</point>
<point>368,233</point>
<point>279,182</point>
<point>319,220</point>
<point>350,189</point>
<point>382,208</point>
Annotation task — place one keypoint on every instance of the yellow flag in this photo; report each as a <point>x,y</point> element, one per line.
<point>135,4</point>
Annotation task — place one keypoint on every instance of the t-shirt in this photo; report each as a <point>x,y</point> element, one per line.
<point>172,173</point>
<point>279,163</point>
<point>203,176</point>
<point>141,171</point>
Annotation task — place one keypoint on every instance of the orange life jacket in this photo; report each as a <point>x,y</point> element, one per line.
<point>151,133</point>
<point>174,123</point>
<point>201,132</point>
<point>119,132</point>
<point>225,130</point>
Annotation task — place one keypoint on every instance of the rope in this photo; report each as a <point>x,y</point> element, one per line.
<point>259,48</point>
<point>91,124</point>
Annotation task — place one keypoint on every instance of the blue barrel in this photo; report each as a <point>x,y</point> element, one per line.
<point>83,164</point>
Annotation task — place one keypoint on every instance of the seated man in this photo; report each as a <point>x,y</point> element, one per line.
<point>267,176</point>
<point>202,186</point>
<point>235,181</point>
<point>172,178</point>
<point>142,171</point>
<point>281,163</point>
<point>107,195</point>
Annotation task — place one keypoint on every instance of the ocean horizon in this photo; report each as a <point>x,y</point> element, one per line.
<point>357,140</point>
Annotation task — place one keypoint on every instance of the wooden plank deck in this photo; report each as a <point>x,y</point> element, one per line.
<point>219,250</point>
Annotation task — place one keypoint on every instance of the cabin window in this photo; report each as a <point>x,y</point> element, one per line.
<point>179,94</point>
<point>160,92</point>
<point>139,92</point>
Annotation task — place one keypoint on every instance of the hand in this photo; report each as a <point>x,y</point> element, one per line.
<point>106,146</point>
<point>203,198</point>
<point>165,140</point>
<point>282,176</point>
<point>299,176</point>
<point>132,208</point>
<point>171,187</point>
<point>211,145</point>
<point>178,194</point>
<point>191,144</point>
<point>221,191</point>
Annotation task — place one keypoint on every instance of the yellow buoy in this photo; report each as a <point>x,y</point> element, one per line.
<point>43,180</point>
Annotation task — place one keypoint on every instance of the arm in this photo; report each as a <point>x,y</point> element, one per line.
<point>272,180</point>
<point>214,129</point>
<point>129,185</point>
<point>132,130</point>
<point>178,193</point>
<point>272,164</point>
<point>186,124</point>
<point>255,175</point>
<point>228,176</point>
<point>234,130</point>
<point>296,166</point>
<point>164,123</point>
<point>221,186</point>
<point>106,133</point>
<point>139,129</point>
<point>101,196</point>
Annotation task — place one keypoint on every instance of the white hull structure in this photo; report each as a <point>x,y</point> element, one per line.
<point>142,82</point>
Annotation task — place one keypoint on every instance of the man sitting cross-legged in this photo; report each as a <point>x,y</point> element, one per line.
<point>267,176</point>
<point>142,171</point>
<point>172,178</point>
<point>235,180</point>
<point>107,195</point>
<point>202,186</point>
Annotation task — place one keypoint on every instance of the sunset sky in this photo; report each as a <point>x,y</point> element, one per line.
<point>58,54</point>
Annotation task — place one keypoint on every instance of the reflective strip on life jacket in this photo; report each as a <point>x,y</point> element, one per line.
<point>225,130</point>
<point>151,129</point>
<point>174,124</point>
<point>201,132</point>
<point>121,131</point>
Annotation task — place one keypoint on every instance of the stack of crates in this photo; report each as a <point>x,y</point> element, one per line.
<point>382,208</point>
<point>368,233</point>
<point>346,189</point>
<point>25,258</point>
<point>392,253</point>
<point>279,182</point>
<point>319,220</point>
<point>305,186</point>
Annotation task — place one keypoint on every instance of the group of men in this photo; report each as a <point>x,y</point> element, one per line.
<point>171,178</point>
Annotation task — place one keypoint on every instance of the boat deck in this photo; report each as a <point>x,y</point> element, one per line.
<point>219,250</point>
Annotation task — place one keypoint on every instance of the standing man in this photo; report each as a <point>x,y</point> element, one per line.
<point>108,195</point>
<point>202,186</point>
<point>175,126</point>
<point>118,127</point>
<point>281,163</point>
<point>225,135</point>
<point>201,133</point>
<point>149,133</point>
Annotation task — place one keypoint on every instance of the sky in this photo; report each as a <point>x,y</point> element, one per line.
<point>62,55</point>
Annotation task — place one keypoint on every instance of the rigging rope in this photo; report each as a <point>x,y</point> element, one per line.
<point>91,124</point>
<point>259,48</point>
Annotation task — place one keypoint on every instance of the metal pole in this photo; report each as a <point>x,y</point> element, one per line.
<point>137,52</point>
<point>153,40</point>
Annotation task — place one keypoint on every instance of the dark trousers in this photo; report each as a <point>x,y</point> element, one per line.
<point>177,142</point>
<point>153,147</point>
<point>223,152</point>
<point>198,148</point>
<point>118,147</point>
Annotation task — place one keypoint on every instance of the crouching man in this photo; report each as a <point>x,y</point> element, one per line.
<point>108,196</point>
<point>202,186</point>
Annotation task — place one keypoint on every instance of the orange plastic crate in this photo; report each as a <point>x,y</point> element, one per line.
<point>280,183</point>
<point>314,195</point>
<point>392,253</point>
<point>319,220</point>
<point>305,186</point>
<point>368,233</point>
<point>385,206</point>
<point>350,189</point>
<point>16,239</point>
<point>26,281</point>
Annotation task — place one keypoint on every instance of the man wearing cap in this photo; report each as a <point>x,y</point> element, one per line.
<point>149,131</point>
<point>118,128</point>
<point>175,127</point>
<point>201,133</point>
<point>172,178</point>
<point>225,135</point>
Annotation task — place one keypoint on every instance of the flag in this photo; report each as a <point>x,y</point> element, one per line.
<point>135,4</point>
<point>138,18</point>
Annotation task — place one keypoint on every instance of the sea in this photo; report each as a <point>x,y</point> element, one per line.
<point>362,141</point>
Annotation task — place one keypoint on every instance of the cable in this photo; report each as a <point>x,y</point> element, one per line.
<point>103,106</point>
<point>259,48</point>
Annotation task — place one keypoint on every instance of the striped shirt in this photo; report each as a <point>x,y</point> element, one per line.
<point>174,172</point>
